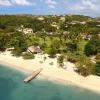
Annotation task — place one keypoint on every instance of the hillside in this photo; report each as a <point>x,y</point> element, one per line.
<point>9,23</point>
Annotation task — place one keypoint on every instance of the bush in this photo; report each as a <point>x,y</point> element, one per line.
<point>16,53</point>
<point>45,58</point>
<point>85,66</point>
<point>41,62</point>
<point>98,57</point>
<point>51,63</point>
<point>72,47</point>
<point>97,69</point>
<point>90,49</point>
<point>86,69</point>
<point>28,56</point>
<point>72,57</point>
<point>52,53</point>
<point>60,60</point>
<point>93,46</point>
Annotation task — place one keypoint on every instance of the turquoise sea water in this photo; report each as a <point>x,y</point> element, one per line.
<point>13,88</point>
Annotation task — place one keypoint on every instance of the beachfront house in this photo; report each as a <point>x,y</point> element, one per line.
<point>34,49</point>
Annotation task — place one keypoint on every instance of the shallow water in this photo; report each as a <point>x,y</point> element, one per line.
<point>12,87</point>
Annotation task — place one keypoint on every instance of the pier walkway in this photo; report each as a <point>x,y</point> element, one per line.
<point>33,75</point>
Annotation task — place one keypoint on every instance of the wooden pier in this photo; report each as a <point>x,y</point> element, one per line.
<point>33,75</point>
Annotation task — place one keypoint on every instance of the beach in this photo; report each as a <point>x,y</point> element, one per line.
<point>51,72</point>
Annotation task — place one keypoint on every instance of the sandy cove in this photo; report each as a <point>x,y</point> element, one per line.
<point>51,72</point>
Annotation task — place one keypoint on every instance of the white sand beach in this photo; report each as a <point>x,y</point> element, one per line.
<point>51,72</point>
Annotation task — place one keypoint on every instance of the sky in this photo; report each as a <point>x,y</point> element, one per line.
<point>51,7</point>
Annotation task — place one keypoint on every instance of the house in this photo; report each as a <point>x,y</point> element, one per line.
<point>86,37</point>
<point>65,33</point>
<point>54,24</point>
<point>40,18</point>
<point>83,22</point>
<point>73,23</point>
<point>62,18</point>
<point>98,25</point>
<point>25,30</point>
<point>49,33</point>
<point>34,49</point>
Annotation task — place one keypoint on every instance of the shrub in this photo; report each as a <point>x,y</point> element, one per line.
<point>28,56</point>
<point>52,53</point>
<point>72,47</point>
<point>72,57</point>
<point>51,63</point>
<point>98,57</point>
<point>16,52</point>
<point>93,46</point>
<point>90,49</point>
<point>97,69</point>
<point>60,60</point>
<point>45,58</point>
<point>41,62</point>
<point>85,66</point>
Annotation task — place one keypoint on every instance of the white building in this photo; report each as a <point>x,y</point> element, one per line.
<point>62,18</point>
<point>54,24</point>
<point>25,30</point>
<point>41,18</point>
<point>83,22</point>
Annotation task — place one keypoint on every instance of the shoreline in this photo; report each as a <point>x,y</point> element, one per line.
<point>54,80</point>
<point>53,74</point>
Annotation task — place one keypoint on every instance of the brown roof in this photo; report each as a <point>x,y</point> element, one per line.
<point>34,49</point>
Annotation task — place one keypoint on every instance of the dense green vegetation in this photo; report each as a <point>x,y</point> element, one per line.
<point>28,56</point>
<point>93,46</point>
<point>60,60</point>
<point>74,36</point>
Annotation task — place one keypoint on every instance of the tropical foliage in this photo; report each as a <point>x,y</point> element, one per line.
<point>74,36</point>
